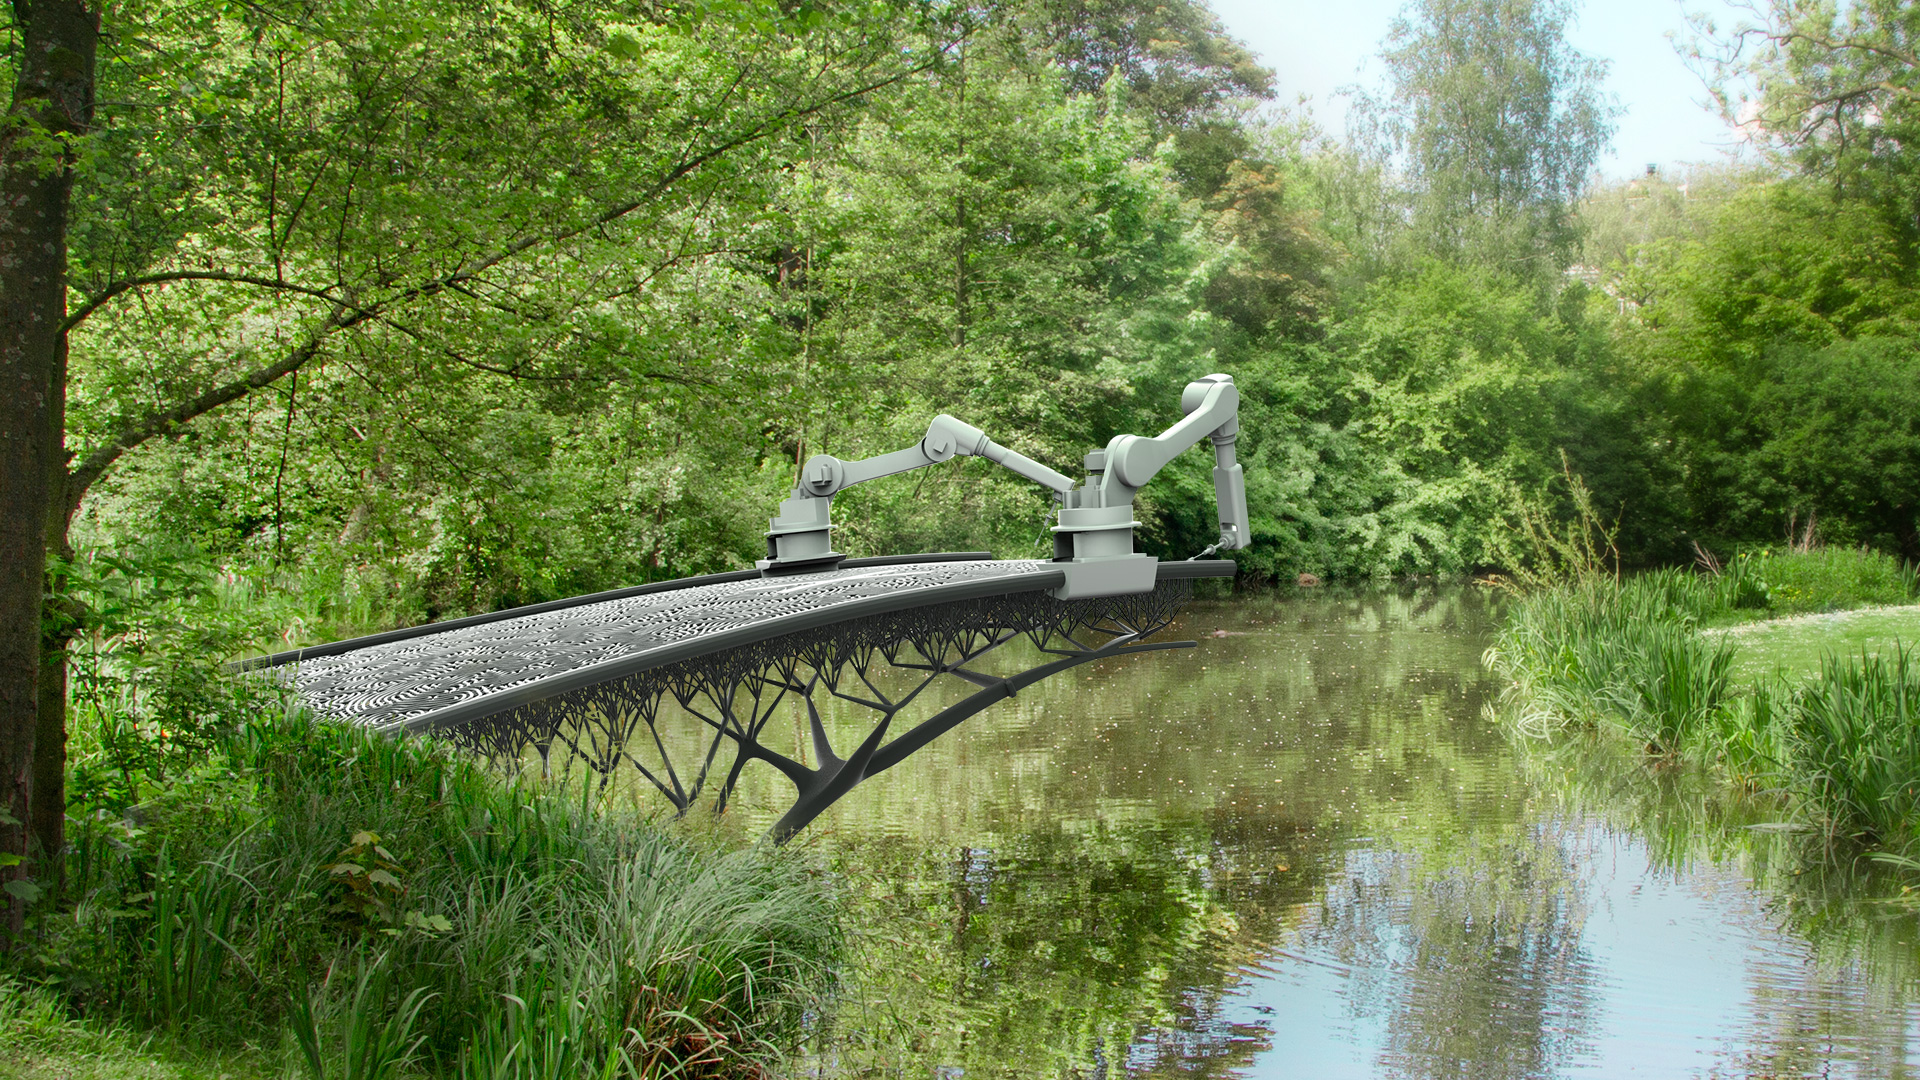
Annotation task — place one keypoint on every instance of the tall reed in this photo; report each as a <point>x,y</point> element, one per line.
<point>1843,746</point>
<point>1596,651</point>
<point>1855,736</point>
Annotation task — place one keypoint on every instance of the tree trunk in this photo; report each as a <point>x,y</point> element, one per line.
<point>52,100</point>
<point>59,621</point>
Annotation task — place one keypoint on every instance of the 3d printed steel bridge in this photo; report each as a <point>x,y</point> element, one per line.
<point>587,677</point>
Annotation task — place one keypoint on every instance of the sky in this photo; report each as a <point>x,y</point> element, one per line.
<point>1316,47</point>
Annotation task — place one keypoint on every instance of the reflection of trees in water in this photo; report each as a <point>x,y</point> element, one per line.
<point>1470,949</point>
<point>1842,1009</point>
<point>1078,881</point>
<point>1818,1025</point>
<point>1061,952</point>
<point>1074,885</point>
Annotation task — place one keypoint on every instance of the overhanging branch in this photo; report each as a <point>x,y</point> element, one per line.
<point>95,464</point>
<point>274,284</point>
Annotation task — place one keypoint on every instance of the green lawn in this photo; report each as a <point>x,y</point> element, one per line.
<point>1794,646</point>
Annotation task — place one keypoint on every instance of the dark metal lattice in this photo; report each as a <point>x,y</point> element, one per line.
<point>588,680</point>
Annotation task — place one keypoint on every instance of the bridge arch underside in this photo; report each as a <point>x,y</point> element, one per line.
<point>588,682</point>
<point>736,693</point>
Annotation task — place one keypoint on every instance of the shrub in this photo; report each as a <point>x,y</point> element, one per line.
<point>1834,579</point>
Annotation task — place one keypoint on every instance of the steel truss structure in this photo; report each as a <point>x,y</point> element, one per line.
<point>585,681</point>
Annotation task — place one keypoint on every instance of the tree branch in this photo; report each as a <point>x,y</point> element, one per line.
<point>345,315</point>
<point>99,299</point>
<point>96,463</point>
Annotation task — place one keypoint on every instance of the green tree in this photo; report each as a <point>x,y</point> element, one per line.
<point>1001,249</point>
<point>1835,86</point>
<point>1179,68</point>
<point>1495,122</point>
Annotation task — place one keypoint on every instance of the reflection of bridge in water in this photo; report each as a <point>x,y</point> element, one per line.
<point>587,677</point>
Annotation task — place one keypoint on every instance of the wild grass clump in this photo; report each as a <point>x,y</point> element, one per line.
<point>1855,738</point>
<point>1844,746</point>
<point>1766,584</point>
<point>367,907</point>
<point>1837,579</point>
<point>1596,650</point>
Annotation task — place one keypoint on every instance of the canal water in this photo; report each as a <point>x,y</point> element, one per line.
<point>1306,849</point>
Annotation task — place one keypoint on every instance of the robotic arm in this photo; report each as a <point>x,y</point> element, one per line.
<point>1095,536</point>
<point>1212,406</point>
<point>946,437</point>
<point>800,538</point>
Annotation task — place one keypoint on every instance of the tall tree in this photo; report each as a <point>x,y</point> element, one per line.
<point>1837,82</point>
<point>1176,63</point>
<point>1832,87</point>
<point>51,108</point>
<point>1496,122</point>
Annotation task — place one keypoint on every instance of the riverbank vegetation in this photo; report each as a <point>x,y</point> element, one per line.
<point>305,900</point>
<point>1641,656</point>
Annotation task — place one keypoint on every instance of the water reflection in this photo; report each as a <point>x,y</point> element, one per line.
<point>1303,849</point>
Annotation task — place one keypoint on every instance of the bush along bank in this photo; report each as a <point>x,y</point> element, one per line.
<point>334,904</point>
<point>1842,746</point>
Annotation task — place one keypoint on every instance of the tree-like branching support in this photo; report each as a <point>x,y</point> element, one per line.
<point>735,694</point>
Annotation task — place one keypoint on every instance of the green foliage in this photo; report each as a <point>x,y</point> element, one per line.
<point>1624,224</point>
<point>369,1039</point>
<point>1595,651</point>
<point>1397,447</point>
<point>148,684</point>
<point>367,882</point>
<point>1830,86</point>
<point>40,1037</point>
<point>1827,579</point>
<point>1631,656</point>
<point>222,905</point>
<point>1786,262</point>
<point>186,943</point>
<point>1855,739</point>
<point>1743,584</point>
<point>1827,435</point>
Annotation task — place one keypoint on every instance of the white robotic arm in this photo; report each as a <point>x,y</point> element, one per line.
<point>1095,536</point>
<point>1212,406</point>
<point>800,538</point>
<point>946,437</point>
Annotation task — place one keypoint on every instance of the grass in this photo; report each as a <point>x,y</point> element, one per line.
<point>40,1040</point>
<point>247,891</point>
<point>1854,735</point>
<point>1597,650</point>
<point>345,906</point>
<point>1794,647</point>
<point>1831,720</point>
<point>1773,584</point>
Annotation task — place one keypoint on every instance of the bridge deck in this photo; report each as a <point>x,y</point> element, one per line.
<point>444,675</point>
